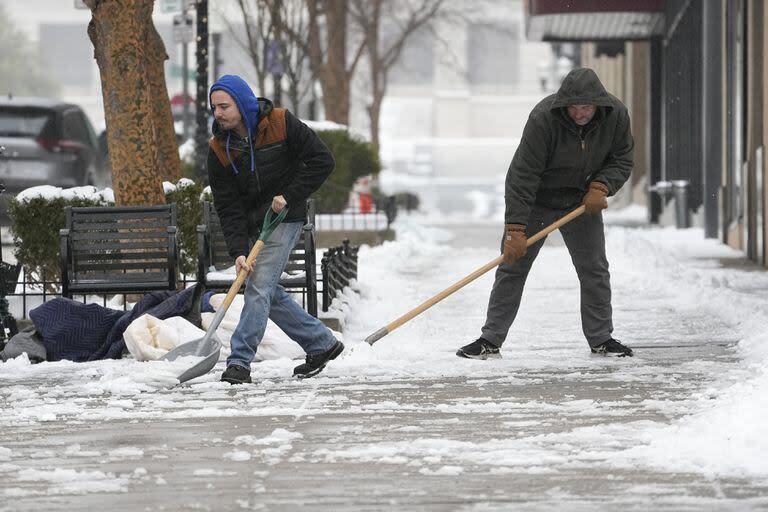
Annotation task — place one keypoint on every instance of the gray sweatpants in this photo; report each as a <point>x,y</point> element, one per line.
<point>585,241</point>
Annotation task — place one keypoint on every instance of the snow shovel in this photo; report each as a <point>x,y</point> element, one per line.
<point>209,345</point>
<point>373,338</point>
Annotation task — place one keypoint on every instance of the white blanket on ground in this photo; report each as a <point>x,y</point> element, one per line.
<point>149,338</point>
<point>275,343</point>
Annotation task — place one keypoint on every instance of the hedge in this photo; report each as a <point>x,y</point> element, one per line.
<point>354,158</point>
<point>35,227</point>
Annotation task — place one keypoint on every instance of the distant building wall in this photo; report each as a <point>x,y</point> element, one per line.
<point>457,126</point>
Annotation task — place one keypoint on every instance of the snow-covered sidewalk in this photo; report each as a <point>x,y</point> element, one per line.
<point>406,424</point>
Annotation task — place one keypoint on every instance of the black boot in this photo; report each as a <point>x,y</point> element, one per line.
<point>613,348</point>
<point>236,374</point>
<point>315,363</point>
<point>479,349</point>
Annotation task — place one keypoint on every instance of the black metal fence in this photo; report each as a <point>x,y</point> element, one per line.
<point>338,268</point>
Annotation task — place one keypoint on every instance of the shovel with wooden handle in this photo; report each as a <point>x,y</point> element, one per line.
<point>373,338</point>
<point>209,346</point>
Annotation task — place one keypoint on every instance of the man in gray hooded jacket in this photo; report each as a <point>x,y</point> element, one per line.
<point>576,149</point>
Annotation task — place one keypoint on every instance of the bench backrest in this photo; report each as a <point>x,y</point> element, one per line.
<point>119,249</point>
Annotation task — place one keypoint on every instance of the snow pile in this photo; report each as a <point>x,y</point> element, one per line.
<point>727,435</point>
<point>169,187</point>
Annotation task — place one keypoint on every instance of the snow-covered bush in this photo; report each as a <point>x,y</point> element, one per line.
<point>37,214</point>
<point>188,196</point>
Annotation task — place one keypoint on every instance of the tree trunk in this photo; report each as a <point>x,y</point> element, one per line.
<point>168,161</point>
<point>119,31</point>
<point>378,72</point>
<point>332,71</point>
<point>374,115</point>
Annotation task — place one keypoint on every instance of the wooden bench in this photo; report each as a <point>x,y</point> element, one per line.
<point>299,275</point>
<point>118,250</point>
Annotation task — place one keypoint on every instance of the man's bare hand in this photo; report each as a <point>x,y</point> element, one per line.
<point>241,263</point>
<point>278,203</point>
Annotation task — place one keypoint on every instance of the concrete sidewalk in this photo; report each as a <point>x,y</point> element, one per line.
<point>546,428</point>
<point>377,445</point>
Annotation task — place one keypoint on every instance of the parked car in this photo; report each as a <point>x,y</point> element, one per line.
<point>48,142</point>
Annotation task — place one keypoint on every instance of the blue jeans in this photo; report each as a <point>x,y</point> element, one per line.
<point>264,297</point>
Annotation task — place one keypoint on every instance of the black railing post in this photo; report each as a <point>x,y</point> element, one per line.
<point>324,270</point>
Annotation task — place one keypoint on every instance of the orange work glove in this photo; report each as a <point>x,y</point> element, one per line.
<point>514,243</point>
<point>595,198</point>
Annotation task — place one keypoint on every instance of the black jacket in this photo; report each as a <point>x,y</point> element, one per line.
<point>557,159</point>
<point>290,160</point>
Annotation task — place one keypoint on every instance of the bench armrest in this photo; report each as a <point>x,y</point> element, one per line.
<point>64,261</point>
<point>203,252</point>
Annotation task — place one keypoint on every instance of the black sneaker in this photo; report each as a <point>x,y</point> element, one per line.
<point>236,374</point>
<point>614,348</point>
<point>315,363</point>
<point>479,349</point>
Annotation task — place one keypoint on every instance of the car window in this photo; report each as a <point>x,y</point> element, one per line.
<point>73,128</point>
<point>24,122</point>
<point>90,131</point>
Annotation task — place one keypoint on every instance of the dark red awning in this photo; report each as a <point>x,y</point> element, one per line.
<point>593,20</point>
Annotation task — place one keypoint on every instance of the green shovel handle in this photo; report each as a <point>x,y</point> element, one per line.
<point>271,221</point>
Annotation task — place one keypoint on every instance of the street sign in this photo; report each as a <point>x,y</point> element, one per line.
<point>273,57</point>
<point>177,71</point>
<point>176,5</point>
<point>183,28</point>
<point>171,5</point>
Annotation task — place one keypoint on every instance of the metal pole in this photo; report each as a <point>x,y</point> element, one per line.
<point>682,213</point>
<point>712,115</point>
<point>185,121</point>
<point>656,136</point>
<point>216,49</point>
<point>202,110</point>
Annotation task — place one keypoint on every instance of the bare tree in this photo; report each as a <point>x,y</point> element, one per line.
<point>269,28</point>
<point>316,33</point>
<point>403,19</point>
<point>258,31</point>
<point>326,46</point>
<point>291,18</point>
<point>137,110</point>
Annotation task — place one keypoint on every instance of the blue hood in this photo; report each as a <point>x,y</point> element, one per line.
<point>247,104</point>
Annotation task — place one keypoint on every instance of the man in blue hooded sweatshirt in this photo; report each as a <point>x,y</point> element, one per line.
<point>263,157</point>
